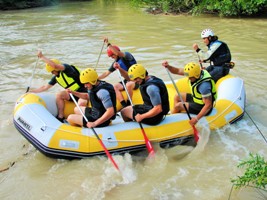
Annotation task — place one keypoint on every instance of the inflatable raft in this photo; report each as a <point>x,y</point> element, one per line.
<point>34,117</point>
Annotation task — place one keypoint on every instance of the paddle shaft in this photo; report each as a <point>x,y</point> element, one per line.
<point>100,141</point>
<point>200,61</point>
<point>99,55</point>
<point>187,112</point>
<point>148,144</point>
<point>33,72</point>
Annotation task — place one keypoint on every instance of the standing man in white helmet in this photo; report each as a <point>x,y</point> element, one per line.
<point>218,55</point>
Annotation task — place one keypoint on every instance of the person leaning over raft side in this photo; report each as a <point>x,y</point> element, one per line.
<point>154,94</point>
<point>218,55</point>
<point>126,60</point>
<point>203,91</point>
<point>67,76</point>
<point>102,98</point>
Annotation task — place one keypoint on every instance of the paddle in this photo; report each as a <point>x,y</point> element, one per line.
<point>99,55</point>
<point>148,144</point>
<point>196,134</point>
<point>28,88</point>
<point>200,62</point>
<point>100,141</point>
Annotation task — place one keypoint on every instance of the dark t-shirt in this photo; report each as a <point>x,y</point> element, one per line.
<point>128,57</point>
<point>69,71</point>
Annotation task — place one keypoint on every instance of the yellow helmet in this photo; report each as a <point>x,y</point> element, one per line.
<point>49,68</point>
<point>137,71</point>
<point>192,70</point>
<point>88,75</point>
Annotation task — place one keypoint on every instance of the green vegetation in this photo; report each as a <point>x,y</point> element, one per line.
<point>255,173</point>
<point>195,7</point>
<point>192,7</point>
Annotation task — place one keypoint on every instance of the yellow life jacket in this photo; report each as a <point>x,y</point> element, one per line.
<point>197,97</point>
<point>68,82</point>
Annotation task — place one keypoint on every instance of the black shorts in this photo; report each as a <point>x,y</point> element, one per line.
<point>125,81</point>
<point>140,109</point>
<point>92,115</point>
<point>194,108</point>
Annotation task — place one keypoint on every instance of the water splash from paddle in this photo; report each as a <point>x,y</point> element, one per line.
<point>204,135</point>
<point>127,173</point>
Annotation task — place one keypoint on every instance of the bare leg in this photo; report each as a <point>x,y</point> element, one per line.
<point>77,118</point>
<point>60,100</point>
<point>118,88</point>
<point>130,87</point>
<point>127,113</point>
<point>176,100</point>
<point>82,102</point>
<point>178,105</point>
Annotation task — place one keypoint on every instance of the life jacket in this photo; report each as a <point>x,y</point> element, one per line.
<point>163,93</point>
<point>72,83</point>
<point>222,55</point>
<point>197,97</point>
<point>125,64</point>
<point>96,102</point>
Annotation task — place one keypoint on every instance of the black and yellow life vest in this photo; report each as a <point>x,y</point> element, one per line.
<point>197,97</point>
<point>73,83</point>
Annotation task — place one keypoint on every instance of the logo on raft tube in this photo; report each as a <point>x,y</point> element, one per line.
<point>24,124</point>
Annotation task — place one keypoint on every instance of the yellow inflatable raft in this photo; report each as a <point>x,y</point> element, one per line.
<point>34,117</point>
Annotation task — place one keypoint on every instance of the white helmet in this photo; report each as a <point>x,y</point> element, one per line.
<point>206,33</point>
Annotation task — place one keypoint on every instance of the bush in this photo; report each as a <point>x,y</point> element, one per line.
<point>255,173</point>
<point>220,7</point>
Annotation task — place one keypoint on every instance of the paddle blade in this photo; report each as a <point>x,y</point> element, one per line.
<point>196,134</point>
<point>148,144</point>
<point>109,155</point>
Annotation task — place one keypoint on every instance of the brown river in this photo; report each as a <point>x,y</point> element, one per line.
<point>73,33</point>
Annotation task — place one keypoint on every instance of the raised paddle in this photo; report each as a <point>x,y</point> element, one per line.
<point>99,55</point>
<point>28,88</point>
<point>148,144</point>
<point>100,141</point>
<point>196,134</point>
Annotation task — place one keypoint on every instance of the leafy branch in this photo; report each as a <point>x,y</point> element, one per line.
<point>255,172</point>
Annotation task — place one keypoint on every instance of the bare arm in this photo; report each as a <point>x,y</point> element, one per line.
<point>114,50</point>
<point>41,89</point>
<point>208,105</point>
<point>174,70</point>
<point>57,67</point>
<point>81,95</point>
<point>122,71</point>
<point>104,75</point>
